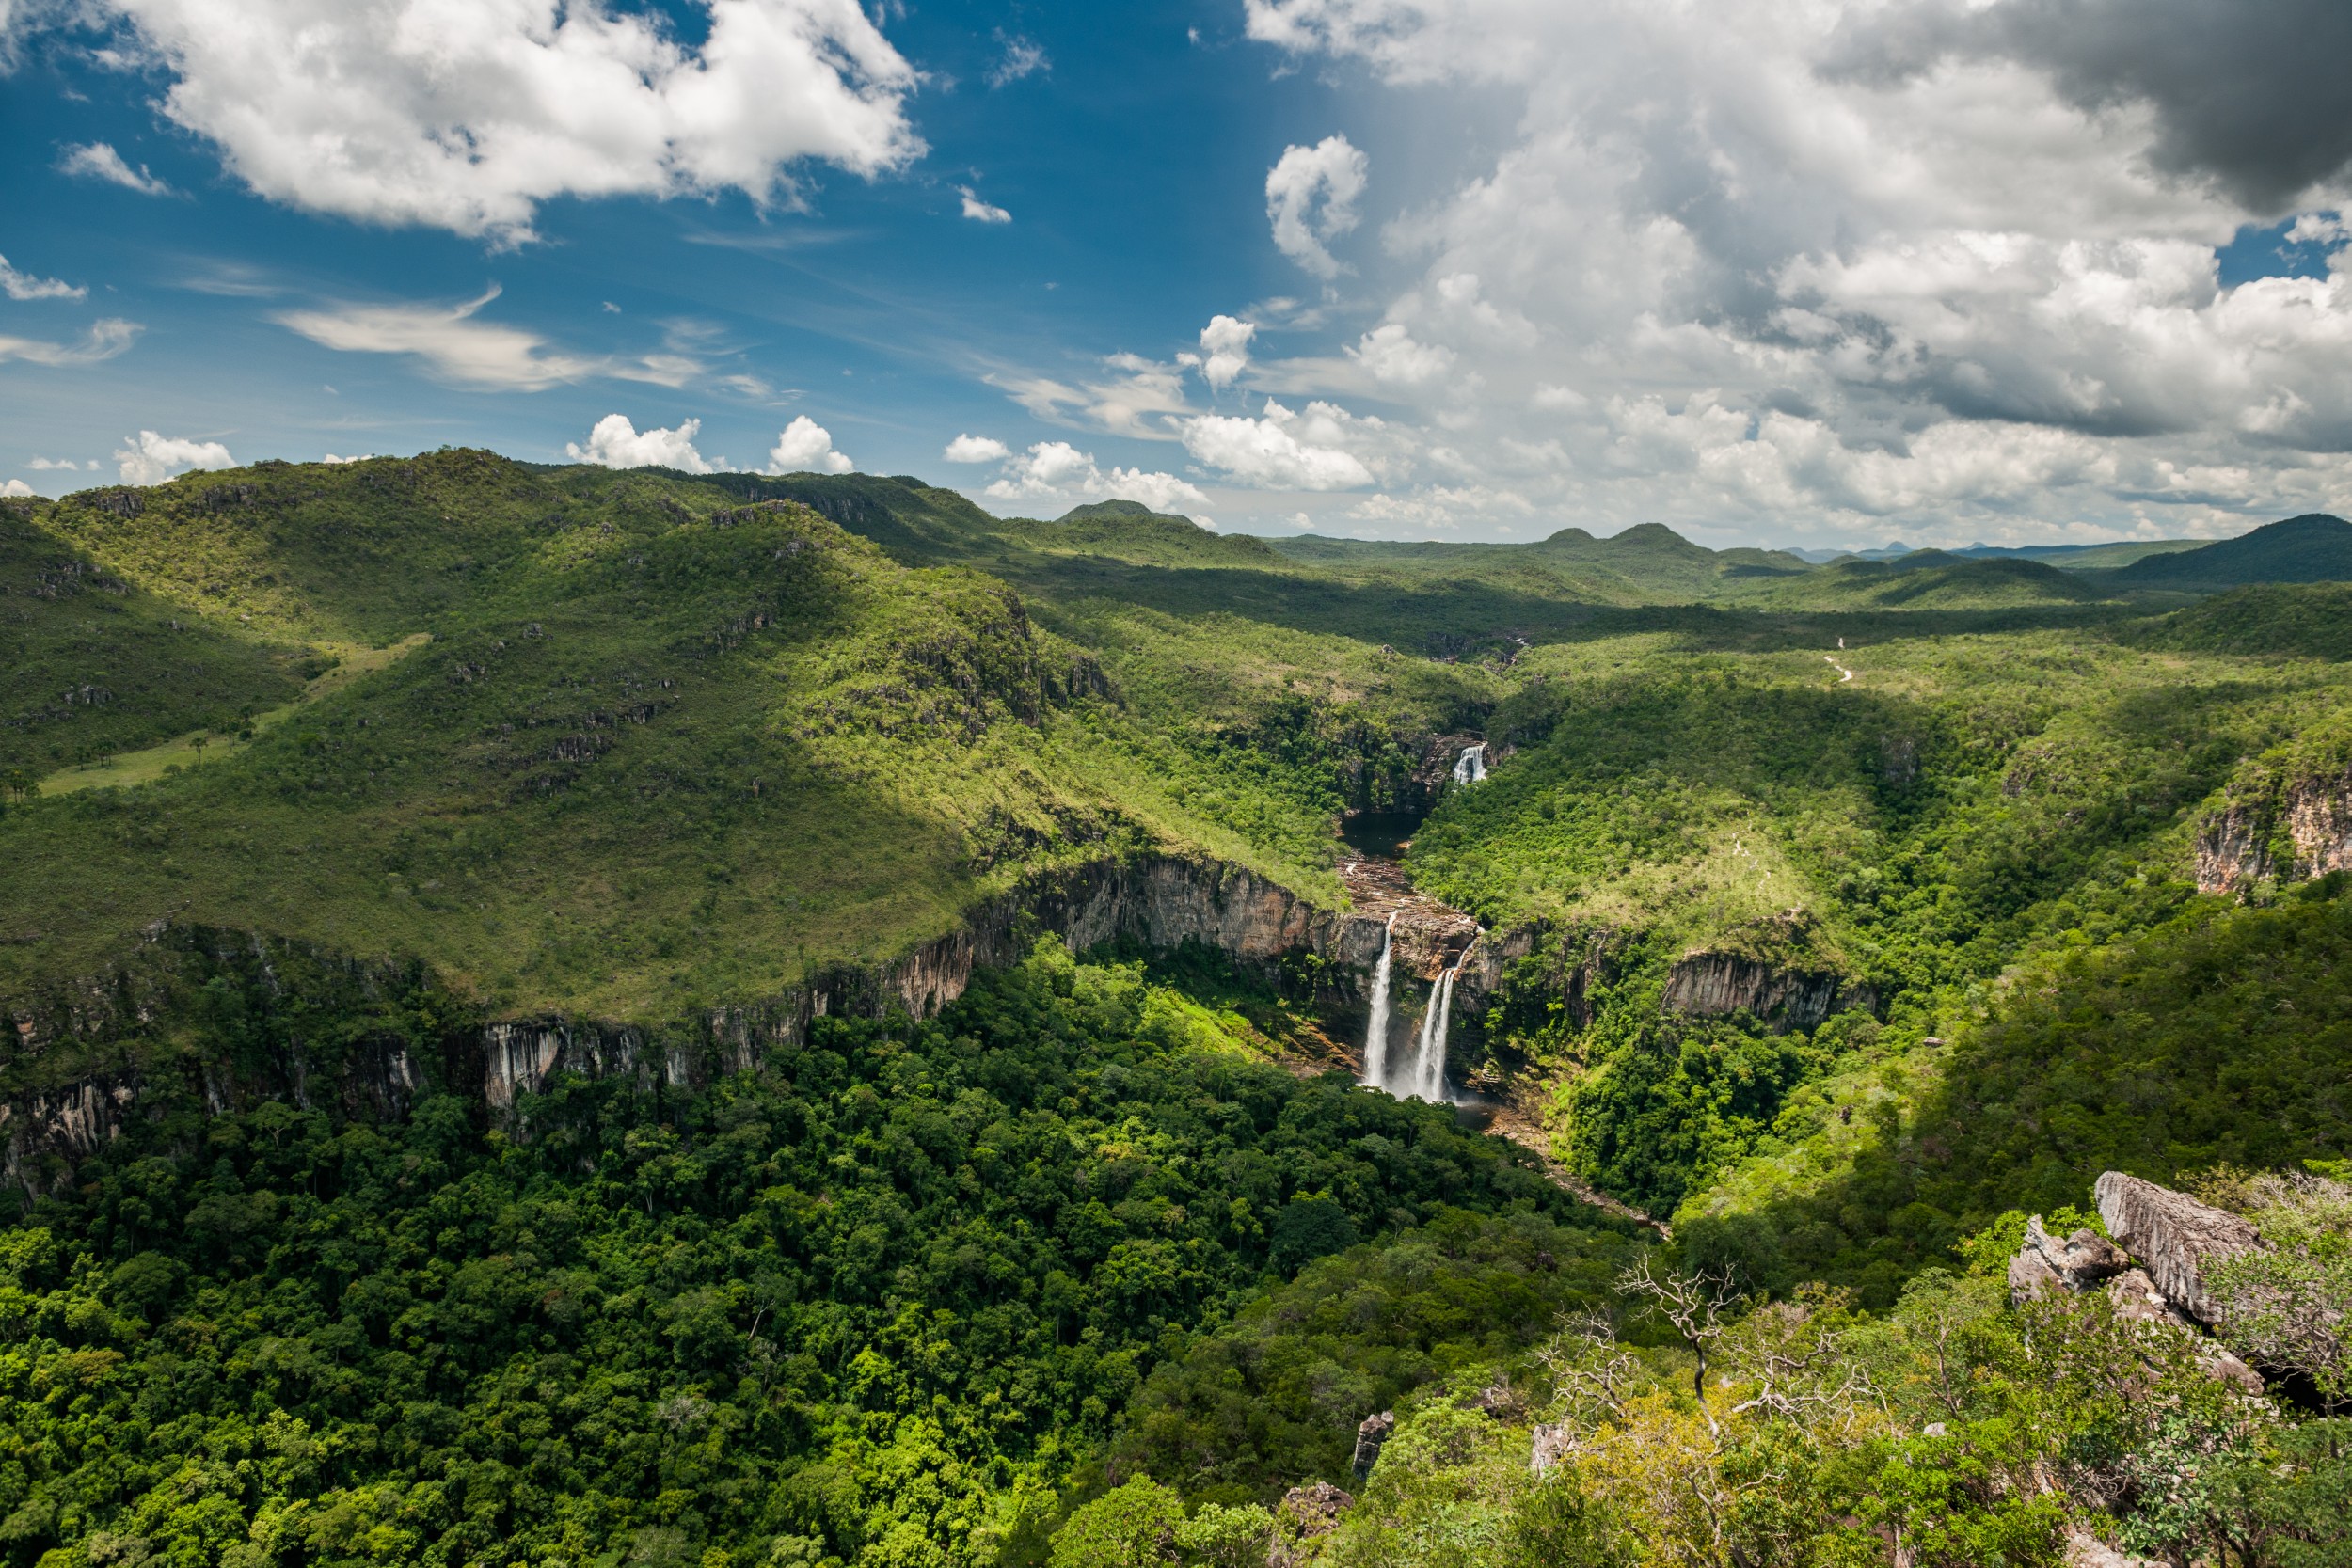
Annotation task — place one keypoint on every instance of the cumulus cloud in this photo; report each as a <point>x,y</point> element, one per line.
<point>455,347</point>
<point>979,211</point>
<point>147,458</point>
<point>464,115</point>
<point>975,449</point>
<point>1392,356</point>
<point>1780,270</point>
<point>22,285</point>
<point>43,465</point>
<point>365,456</point>
<point>107,336</point>
<point>16,487</point>
<point>2251,95</point>
<point>1310,197</point>
<point>616,443</point>
<point>806,446</point>
<point>1283,450</point>
<point>1224,351</point>
<point>1057,471</point>
<point>98,160</point>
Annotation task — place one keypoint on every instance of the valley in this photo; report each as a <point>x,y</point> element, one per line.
<point>796,1019</point>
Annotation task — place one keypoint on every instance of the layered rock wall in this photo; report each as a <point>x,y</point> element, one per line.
<point>2238,846</point>
<point>81,1060</point>
<point>1714,985</point>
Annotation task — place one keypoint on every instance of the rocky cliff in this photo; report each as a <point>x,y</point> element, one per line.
<point>78,1060</point>
<point>2291,831</point>
<point>1712,985</point>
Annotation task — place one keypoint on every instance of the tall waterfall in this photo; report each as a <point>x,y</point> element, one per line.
<point>1376,1038</point>
<point>1470,766</point>
<point>1425,1079</point>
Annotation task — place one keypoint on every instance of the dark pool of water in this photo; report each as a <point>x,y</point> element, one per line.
<point>1473,1111</point>
<point>1382,833</point>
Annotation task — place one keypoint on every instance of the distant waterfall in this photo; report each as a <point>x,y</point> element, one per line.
<point>1470,766</point>
<point>1376,1038</point>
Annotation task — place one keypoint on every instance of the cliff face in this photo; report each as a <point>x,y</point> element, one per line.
<point>1712,985</point>
<point>78,1061</point>
<point>2238,846</point>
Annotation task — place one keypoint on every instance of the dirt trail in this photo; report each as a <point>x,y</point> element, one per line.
<point>1844,675</point>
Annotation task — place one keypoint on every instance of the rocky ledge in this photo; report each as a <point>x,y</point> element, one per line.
<point>2153,1268</point>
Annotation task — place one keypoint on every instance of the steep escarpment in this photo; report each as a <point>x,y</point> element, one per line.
<point>2283,830</point>
<point>287,1021</point>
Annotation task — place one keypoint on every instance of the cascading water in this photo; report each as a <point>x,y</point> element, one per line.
<point>1376,1038</point>
<point>1425,1080</point>
<point>1470,766</point>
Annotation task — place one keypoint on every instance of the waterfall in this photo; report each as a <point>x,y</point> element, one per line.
<point>1470,766</point>
<point>1427,1079</point>
<point>1376,1038</point>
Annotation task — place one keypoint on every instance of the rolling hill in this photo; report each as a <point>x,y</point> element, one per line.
<point>2314,547</point>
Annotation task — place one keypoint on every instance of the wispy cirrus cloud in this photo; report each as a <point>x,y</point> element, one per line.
<point>456,347</point>
<point>107,338</point>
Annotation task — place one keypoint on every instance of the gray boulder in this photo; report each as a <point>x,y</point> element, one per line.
<point>2077,1263</point>
<point>2172,1236</point>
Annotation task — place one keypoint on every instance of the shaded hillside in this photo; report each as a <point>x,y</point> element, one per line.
<point>2304,620</point>
<point>96,665</point>
<point>1646,564</point>
<point>1926,579</point>
<point>2314,547</point>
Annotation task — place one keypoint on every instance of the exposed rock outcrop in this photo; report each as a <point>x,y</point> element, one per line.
<point>1305,1514</point>
<point>2172,1236</point>
<point>2078,1262</point>
<point>1711,984</point>
<point>1371,1433</point>
<point>2238,846</point>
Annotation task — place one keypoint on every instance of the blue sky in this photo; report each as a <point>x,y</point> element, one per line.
<point>1478,270</point>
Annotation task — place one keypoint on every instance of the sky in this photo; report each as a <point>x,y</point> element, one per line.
<point>1812,273</point>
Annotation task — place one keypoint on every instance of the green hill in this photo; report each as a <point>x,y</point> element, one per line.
<point>1927,579</point>
<point>2306,621</point>
<point>1648,563</point>
<point>661,747</point>
<point>2313,547</point>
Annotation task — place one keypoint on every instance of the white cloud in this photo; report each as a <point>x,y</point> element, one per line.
<point>975,449</point>
<point>1224,351</point>
<point>1282,450</point>
<point>1311,199</point>
<point>1723,271</point>
<point>1056,470</point>
<point>108,337</point>
<point>1131,401</point>
<point>365,456</point>
<point>806,446</point>
<point>457,348</point>
<point>616,443</point>
<point>464,115</point>
<point>1393,356</point>
<point>22,286</point>
<point>980,211</point>
<point>1021,58</point>
<point>99,161</point>
<point>43,465</point>
<point>149,459</point>
<point>16,487</point>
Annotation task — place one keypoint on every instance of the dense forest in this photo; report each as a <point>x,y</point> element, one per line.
<point>565,1016</point>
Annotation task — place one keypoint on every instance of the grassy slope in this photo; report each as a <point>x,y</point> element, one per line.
<point>647,760</point>
<point>1929,580</point>
<point>97,665</point>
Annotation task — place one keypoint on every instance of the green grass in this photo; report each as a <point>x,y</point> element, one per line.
<point>98,665</point>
